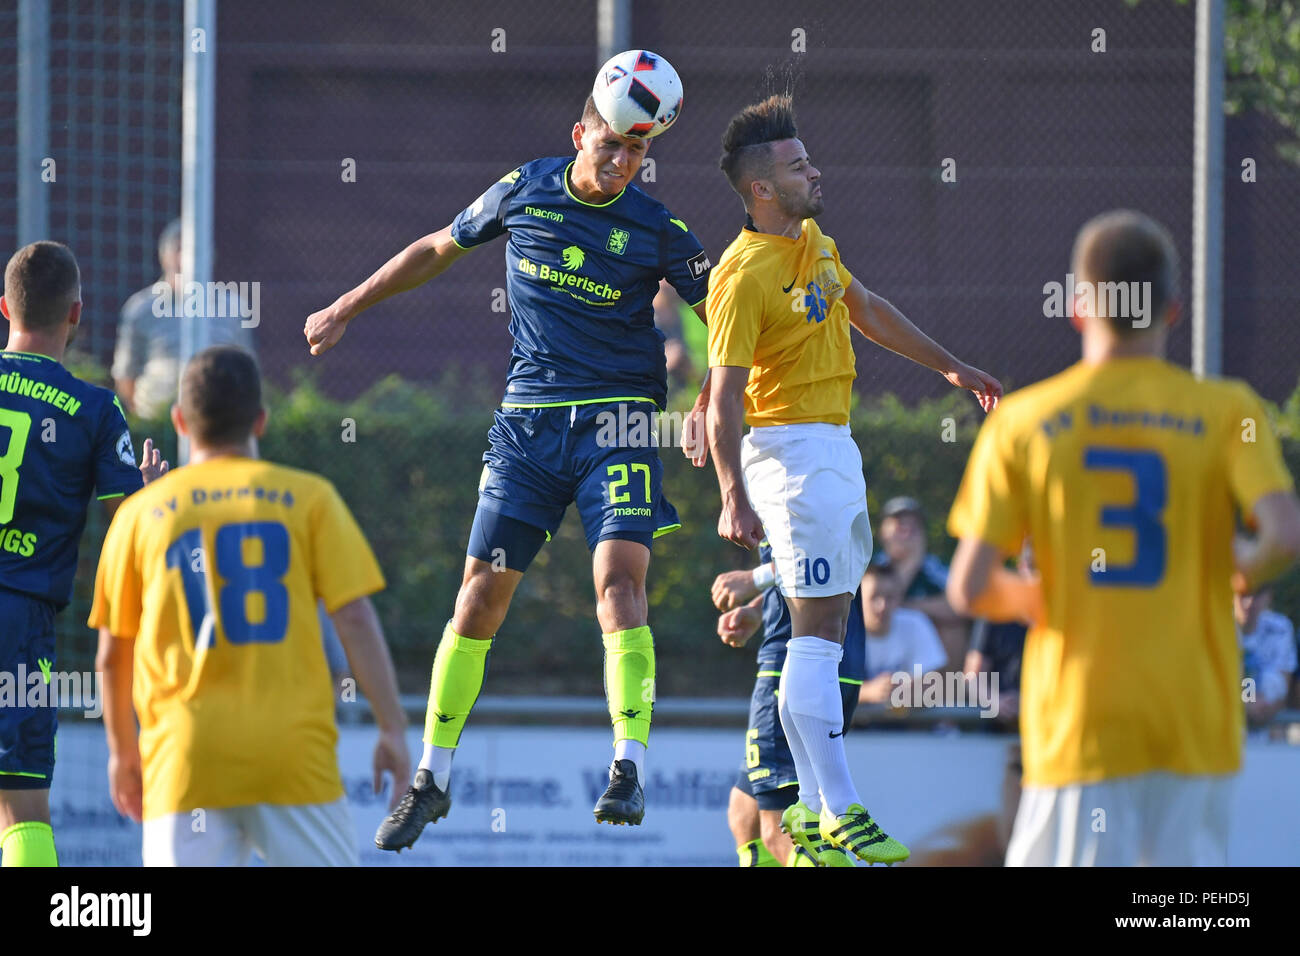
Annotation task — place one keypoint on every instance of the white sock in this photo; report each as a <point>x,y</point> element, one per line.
<point>803,768</point>
<point>437,760</point>
<point>811,679</point>
<point>633,750</point>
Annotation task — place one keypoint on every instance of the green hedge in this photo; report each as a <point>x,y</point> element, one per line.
<point>411,478</point>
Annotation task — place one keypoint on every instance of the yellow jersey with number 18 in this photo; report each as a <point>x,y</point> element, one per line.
<point>215,570</point>
<point>776,306</point>
<point>1126,477</point>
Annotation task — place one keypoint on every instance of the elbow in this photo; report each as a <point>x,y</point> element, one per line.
<point>961,595</point>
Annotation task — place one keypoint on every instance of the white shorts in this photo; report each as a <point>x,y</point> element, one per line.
<point>805,482</point>
<point>317,834</point>
<point>1150,819</point>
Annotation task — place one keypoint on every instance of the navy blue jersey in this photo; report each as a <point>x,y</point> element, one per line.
<point>62,440</point>
<point>776,632</point>
<point>581,280</point>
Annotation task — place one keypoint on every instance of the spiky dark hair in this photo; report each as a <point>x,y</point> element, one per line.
<point>747,143</point>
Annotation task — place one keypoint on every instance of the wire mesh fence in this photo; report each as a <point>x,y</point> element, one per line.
<point>961,146</point>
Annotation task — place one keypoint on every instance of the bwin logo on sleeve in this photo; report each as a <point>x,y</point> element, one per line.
<point>125,451</point>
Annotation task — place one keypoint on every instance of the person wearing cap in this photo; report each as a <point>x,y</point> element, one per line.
<point>923,576</point>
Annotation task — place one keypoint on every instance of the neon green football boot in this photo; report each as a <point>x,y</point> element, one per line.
<point>804,829</point>
<point>854,832</point>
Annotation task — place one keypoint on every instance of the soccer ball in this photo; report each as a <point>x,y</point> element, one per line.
<point>638,93</point>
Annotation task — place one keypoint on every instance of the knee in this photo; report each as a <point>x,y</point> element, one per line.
<point>742,816</point>
<point>621,591</point>
<point>482,602</point>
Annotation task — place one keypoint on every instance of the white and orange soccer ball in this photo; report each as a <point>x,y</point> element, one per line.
<point>638,93</point>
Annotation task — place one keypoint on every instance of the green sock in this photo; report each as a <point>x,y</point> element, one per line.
<point>457,679</point>
<point>756,853</point>
<point>28,844</point>
<point>630,682</point>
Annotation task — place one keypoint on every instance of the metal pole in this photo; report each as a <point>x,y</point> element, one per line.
<point>1207,193</point>
<point>198,121</point>
<point>33,120</point>
<point>613,28</point>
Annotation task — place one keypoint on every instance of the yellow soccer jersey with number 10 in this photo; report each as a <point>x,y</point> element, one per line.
<point>1126,476</point>
<point>215,570</point>
<point>776,306</point>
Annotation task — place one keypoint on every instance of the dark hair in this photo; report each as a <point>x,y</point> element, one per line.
<point>883,568</point>
<point>42,282</point>
<point>746,145</point>
<point>591,117</point>
<point>1125,246</point>
<point>221,395</point>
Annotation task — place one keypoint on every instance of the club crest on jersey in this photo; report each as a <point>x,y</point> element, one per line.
<point>125,451</point>
<point>618,238</point>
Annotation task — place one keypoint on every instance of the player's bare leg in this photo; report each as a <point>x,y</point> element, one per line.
<point>618,572</point>
<point>25,835</point>
<point>481,606</point>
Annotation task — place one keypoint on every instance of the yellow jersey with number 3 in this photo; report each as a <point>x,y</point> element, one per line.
<point>776,306</point>
<point>215,570</point>
<point>1126,477</point>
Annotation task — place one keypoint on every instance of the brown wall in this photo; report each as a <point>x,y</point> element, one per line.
<point>1044,132</point>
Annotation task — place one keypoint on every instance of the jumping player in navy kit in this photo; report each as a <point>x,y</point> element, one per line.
<point>586,250</point>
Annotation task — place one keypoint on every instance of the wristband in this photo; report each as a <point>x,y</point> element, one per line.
<point>764,576</point>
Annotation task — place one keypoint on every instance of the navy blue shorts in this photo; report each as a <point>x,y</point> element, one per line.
<point>30,719</point>
<point>768,774</point>
<point>540,460</point>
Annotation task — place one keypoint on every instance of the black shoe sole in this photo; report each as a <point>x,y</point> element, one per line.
<point>399,847</point>
<point>619,819</point>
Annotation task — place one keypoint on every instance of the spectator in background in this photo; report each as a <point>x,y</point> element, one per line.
<point>1268,652</point>
<point>686,338</point>
<point>997,649</point>
<point>923,576</point>
<point>899,639</point>
<point>146,361</point>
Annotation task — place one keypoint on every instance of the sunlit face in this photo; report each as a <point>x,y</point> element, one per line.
<point>613,159</point>
<point>880,599</point>
<point>1246,608</point>
<point>793,181</point>
<point>902,535</point>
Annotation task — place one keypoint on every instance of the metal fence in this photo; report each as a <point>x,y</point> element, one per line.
<point>961,146</point>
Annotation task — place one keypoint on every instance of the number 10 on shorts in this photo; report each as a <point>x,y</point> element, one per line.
<point>809,571</point>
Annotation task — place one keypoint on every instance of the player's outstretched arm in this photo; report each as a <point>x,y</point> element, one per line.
<point>115,658</point>
<point>979,586</point>
<point>1276,545</point>
<point>413,266</point>
<point>363,640</point>
<point>738,522</point>
<point>879,321</point>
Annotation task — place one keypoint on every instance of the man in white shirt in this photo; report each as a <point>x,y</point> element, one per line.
<point>899,639</point>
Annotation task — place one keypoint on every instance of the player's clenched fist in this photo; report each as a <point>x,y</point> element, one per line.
<point>732,589</point>
<point>324,328</point>
<point>738,626</point>
<point>740,524</point>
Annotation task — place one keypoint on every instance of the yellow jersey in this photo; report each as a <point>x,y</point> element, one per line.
<point>215,570</point>
<point>776,306</point>
<point>1126,477</point>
